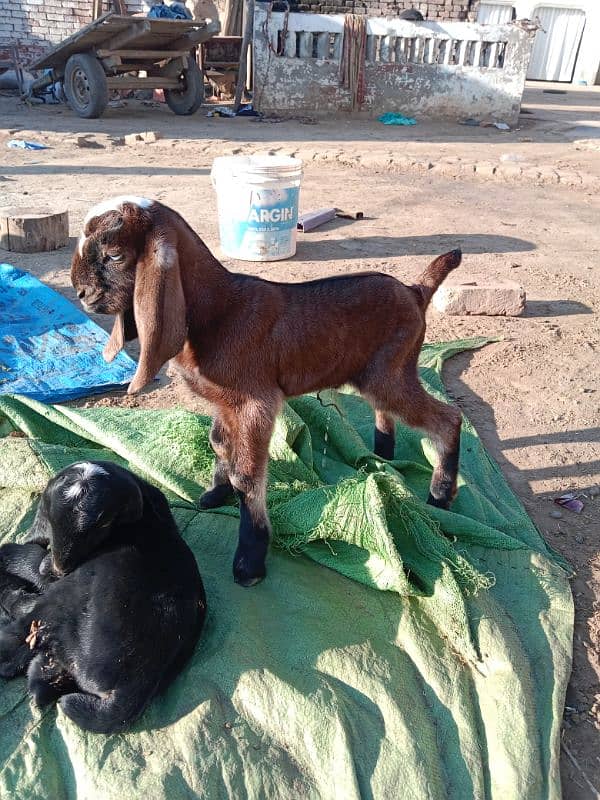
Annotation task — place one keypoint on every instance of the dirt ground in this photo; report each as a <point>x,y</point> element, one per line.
<point>534,396</point>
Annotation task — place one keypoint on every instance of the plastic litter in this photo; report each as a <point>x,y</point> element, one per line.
<point>247,111</point>
<point>393,118</point>
<point>470,121</point>
<point>227,111</point>
<point>502,126</point>
<point>570,501</point>
<point>21,144</point>
<point>174,11</point>
<point>221,111</point>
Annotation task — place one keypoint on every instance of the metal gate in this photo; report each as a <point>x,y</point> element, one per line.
<point>555,47</point>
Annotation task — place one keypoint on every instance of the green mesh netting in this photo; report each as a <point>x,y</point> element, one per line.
<point>439,667</point>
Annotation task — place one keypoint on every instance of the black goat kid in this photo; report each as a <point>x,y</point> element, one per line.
<point>122,609</point>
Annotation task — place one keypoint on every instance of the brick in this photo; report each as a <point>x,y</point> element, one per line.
<point>480,295</point>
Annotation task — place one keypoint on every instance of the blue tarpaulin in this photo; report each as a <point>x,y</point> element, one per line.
<point>49,350</point>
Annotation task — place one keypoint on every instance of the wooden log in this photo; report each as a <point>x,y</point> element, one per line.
<point>33,230</point>
<point>143,83</point>
<point>154,55</point>
<point>246,42</point>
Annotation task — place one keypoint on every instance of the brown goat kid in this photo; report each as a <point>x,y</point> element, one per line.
<point>246,344</point>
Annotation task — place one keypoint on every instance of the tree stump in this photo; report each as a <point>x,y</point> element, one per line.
<point>33,230</point>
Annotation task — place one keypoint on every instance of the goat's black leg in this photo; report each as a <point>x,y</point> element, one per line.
<point>443,482</point>
<point>15,653</point>
<point>406,398</point>
<point>249,478</point>
<point>39,683</point>
<point>385,435</point>
<point>253,543</point>
<point>221,490</point>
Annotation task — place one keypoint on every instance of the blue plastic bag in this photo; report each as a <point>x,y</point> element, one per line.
<point>21,144</point>
<point>49,350</point>
<point>393,118</point>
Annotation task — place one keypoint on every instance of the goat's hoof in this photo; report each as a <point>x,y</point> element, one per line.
<point>438,502</point>
<point>217,497</point>
<point>248,582</point>
<point>245,576</point>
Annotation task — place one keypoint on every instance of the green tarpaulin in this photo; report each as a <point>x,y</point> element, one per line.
<point>394,651</point>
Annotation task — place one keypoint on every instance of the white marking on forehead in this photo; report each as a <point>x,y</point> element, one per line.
<point>82,241</point>
<point>74,491</point>
<point>115,204</point>
<point>86,471</point>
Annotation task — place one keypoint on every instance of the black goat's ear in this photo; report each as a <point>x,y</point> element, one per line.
<point>133,507</point>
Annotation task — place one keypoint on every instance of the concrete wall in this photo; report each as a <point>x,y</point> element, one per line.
<point>452,70</point>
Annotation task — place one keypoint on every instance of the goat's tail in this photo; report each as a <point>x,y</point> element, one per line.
<point>435,273</point>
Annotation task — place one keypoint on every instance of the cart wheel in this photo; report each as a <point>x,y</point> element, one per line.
<point>85,86</point>
<point>190,97</point>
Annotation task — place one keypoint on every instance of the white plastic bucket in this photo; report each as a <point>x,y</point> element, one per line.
<point>257,198</point>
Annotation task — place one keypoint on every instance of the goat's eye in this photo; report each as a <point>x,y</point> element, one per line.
<point>116,257</point>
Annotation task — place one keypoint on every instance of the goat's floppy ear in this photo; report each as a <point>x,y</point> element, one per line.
<point>159,309</point>
<point>124,329</point>
<point>133,507</point>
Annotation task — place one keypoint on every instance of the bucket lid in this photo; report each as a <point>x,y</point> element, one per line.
<point>264,166</point>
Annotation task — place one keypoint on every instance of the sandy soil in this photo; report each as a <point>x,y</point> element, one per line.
<point>534,396</point>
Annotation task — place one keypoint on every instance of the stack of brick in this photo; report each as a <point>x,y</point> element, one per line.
<point>38,24</point>
<point>431,9</point>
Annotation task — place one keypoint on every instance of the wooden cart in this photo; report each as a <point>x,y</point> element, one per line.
<point>113,52</point>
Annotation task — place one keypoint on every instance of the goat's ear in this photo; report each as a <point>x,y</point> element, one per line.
<point>116,340</point>
<point>133,507</point>
<point>124,330</point>
<point>159,309</point>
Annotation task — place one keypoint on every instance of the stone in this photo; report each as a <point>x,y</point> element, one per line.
<point>82,141</point>
<point>555,514</point>
<point>509,171</point>
<point>151,136</point>
<point>403,162</point>
<point>486,169</point>
<point>375,161</point>
<point>548,175</point>
<point>449,168</point>
<point>423,164</point>
<point>480,295</point>
<point>133,139</point>
<point>569,178</point>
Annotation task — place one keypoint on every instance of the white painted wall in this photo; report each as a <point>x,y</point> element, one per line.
<point>588,61</point>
